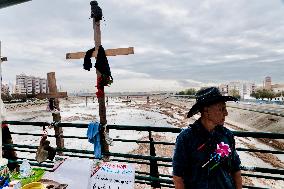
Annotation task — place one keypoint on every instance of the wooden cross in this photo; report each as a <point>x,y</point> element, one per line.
<point>52,88</point>
<point>109,52</point>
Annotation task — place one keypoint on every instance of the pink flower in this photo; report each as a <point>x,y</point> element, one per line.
<point>223,149</point>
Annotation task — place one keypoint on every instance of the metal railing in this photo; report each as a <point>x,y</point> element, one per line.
<point>153,177</point>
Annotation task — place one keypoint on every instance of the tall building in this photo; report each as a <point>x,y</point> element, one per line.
<point>30,84</point>
<point>267,83</point>
<point>36,83</point>
<point>43,86</point>
<point>20,87</point>
<point>277,88</point>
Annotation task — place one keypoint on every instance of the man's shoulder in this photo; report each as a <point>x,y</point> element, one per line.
<point>188,132</point>
<point>226,131</point>
<point>228,134</point>
<point>185,137</point>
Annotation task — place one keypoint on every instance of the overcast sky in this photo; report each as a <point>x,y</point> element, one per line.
<point>178,44</point>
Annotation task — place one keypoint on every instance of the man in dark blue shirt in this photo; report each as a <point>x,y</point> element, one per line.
<point>205,155</point>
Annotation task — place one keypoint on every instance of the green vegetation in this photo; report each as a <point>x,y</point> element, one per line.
<point>14,97</point>
<point>264,93</point>
<point>190,91</point>
<point>235,93</point>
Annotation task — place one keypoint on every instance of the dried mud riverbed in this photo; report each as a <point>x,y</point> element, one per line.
<point>160,111</point>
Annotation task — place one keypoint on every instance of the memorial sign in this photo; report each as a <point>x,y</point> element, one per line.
<point>111,175</point>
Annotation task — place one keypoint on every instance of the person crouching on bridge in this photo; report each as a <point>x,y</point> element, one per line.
<point>205,156</point>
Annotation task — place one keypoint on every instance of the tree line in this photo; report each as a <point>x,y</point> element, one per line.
<point>265,93</point>
<point>16,97</point>
<point>258,94</point>
<point>190,91</point>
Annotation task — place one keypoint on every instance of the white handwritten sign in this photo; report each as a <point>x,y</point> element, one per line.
<point>111,175</point>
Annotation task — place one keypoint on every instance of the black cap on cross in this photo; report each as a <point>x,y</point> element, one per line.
<point>96,11</point>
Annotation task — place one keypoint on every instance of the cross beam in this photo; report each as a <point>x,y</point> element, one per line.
<point>109,52</point>
<point>52,95</point>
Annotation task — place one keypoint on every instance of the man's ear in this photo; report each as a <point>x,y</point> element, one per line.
<point>206,112</point>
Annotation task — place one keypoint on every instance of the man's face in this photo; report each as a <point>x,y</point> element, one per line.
<point>217,113</point>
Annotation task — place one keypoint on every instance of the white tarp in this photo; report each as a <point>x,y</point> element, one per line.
<point>72,171</point>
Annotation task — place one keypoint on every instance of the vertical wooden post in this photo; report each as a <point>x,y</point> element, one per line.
<point>56,116</point>
<point>101,100</point>
<point>97,33</point>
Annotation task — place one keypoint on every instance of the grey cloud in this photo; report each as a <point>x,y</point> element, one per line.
<point>188,84</point>
<point>207,41</point>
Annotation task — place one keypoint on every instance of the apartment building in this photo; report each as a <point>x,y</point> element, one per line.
<point>30,84</point>
<point>19,89</point>
<point>248,89</point>
<point>36,83</point>
<point>43,85</point>
<point>278,88</point>
<point>244,89</point>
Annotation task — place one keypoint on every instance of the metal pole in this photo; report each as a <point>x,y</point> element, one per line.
<point>154,169</point>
